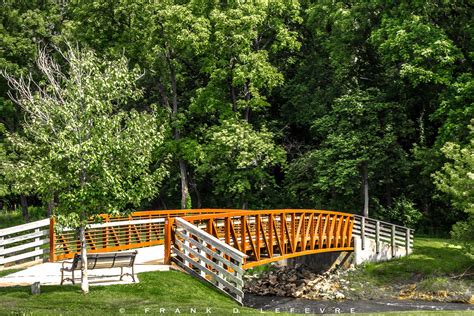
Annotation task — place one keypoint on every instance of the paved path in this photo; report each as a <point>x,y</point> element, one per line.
<point>148,259</point>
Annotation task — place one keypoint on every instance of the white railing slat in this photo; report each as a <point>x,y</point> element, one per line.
<point>33,253</point>
<point>32,244</point>
<point>15,239</point>
<point>236,254</point>
<point>24,227</point>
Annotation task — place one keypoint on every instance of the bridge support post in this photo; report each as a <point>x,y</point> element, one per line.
<point>392,239</point>
<point>377,237</point>
<point>1,253</point>
<point>52,240</point>
<point>167,259</point>
<point>407,241</point>
<point>362,232</point>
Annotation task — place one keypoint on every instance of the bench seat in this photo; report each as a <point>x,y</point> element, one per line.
<point>107,260</point>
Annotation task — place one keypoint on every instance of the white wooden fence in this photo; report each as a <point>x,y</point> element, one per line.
<point>394,235</point>
<point>208,258</point>
<point>24,243</point>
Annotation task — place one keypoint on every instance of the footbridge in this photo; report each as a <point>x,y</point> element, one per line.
<point>214,245</point>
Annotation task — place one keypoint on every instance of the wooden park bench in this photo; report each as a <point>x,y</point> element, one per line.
<point>101,261</point>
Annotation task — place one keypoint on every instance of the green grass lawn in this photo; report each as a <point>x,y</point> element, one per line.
<point>9,271</point>
<point>435,265</point>
<point>421,313</point>
<point>432,259</point>
<point>168,290</point>
<point>13,218</point>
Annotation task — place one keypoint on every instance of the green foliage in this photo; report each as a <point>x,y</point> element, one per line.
<point>10,218</point>
<point>235,158</point>
<point>457,180</point>
<point>456,177</point>
<point>422,52</point>
<point>463,232</point>
<point>78,144</point>
<point>402,211</point>
<point>315,92</point>
<point>360,129</point>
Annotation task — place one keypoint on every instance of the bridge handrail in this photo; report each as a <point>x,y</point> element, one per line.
<point>207,258</point>
<point>383,222</point>
<point>257,212</point>
<point>217,243</point>
<point>381,231</point>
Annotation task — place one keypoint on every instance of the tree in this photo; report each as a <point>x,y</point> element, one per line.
<point>165,37</point>
<point>358,143</point>
<point>457,180</point>
<point>236,159</point>
<point>98,158</point>
<point>24,24</point>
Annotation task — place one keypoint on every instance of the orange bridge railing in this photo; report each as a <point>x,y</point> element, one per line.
<point>139,229</point>
<point>263,235</point>
<point>266,236</point>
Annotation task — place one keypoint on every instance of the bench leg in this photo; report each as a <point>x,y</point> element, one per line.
<point>67,279</point>
<point>124,274</point>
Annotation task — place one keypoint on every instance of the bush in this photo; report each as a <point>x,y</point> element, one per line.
<point>402,211</point>
<point>463,233</point>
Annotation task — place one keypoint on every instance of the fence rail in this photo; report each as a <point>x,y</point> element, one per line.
<point>24,243</point>
<point>380,231</point>
<point>208,258</point>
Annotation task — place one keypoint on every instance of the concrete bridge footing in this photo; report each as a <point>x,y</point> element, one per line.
<point>324,261</point>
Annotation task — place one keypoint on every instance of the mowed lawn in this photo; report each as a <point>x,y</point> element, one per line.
<point>157,290</point>
<point>435,266</point>
<point>431,257</point>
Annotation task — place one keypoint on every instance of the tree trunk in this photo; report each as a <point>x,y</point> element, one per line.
<point>365,182</point>
<point>49,210</point>
<point>182,165</point>
<point>244,201</point>
<point>84,272</point>
<point>198,194</point>
<point>24,208</point>
<point>247,98</point>
<point>184,184</point>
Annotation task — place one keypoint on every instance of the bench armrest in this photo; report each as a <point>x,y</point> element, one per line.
<point>68,262</point>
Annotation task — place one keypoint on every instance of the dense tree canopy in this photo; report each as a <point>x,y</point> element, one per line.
<point>348,105</point>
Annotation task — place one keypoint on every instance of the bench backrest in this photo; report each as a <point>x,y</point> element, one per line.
<point>106,260</point>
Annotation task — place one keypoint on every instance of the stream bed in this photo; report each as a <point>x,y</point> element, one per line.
<point>302,306</point>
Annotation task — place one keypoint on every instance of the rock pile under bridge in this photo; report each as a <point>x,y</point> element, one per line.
<point>298,282</point>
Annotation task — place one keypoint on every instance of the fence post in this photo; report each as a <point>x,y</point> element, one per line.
<point>1,252</point>
<point>393,241</point>
<point>37,258</point>
<point>168,241</point>
<point>362,232</point>
<point>52,240</point>
<point>407,241</point>
<point>377,237</point>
